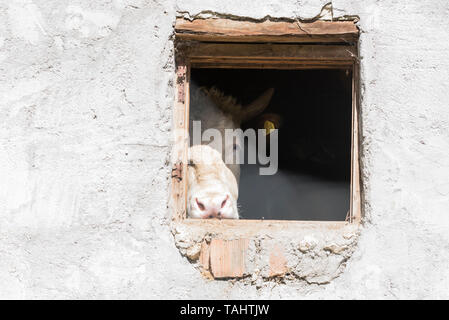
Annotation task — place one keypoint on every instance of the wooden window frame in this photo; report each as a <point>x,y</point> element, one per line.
<point>223,43</point>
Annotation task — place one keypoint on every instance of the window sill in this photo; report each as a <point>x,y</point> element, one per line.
<point>237,228</point>
<point>252,249</point>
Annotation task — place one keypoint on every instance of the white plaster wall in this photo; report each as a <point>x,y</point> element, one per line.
<point>86,102</point>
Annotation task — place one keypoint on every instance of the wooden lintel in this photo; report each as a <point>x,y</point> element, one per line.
<point>265,31</point>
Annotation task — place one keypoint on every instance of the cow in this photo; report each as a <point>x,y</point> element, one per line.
<point>212,184</point>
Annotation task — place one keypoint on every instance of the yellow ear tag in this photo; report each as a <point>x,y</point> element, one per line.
<point>268,126</point>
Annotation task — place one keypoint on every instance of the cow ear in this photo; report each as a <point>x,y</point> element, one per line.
<point>257,106</point>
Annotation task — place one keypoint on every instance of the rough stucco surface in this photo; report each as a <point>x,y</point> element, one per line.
<point>86,96</point>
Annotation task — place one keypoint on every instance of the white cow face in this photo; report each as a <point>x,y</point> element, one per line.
<point>212,188</point>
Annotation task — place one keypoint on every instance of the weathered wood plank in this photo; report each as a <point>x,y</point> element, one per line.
<point>265,31</point>
<point>271,65</point>
<point>285,52</point>
<point>356,201</point>
<point>275,56</point>
<point>179,154</point>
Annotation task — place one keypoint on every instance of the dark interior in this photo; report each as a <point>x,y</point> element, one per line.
<point>313,178</point>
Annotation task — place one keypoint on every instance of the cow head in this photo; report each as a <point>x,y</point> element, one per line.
<point>213,194</point>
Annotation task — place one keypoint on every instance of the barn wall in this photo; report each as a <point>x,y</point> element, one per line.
<point>86,97</point>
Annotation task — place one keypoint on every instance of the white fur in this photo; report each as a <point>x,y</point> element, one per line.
<point>210,182</point>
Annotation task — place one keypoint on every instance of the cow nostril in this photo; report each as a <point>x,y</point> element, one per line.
<point>224,201</point>
<point>200,205</point>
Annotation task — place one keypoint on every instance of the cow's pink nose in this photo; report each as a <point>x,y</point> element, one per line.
<point>211,207</point>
